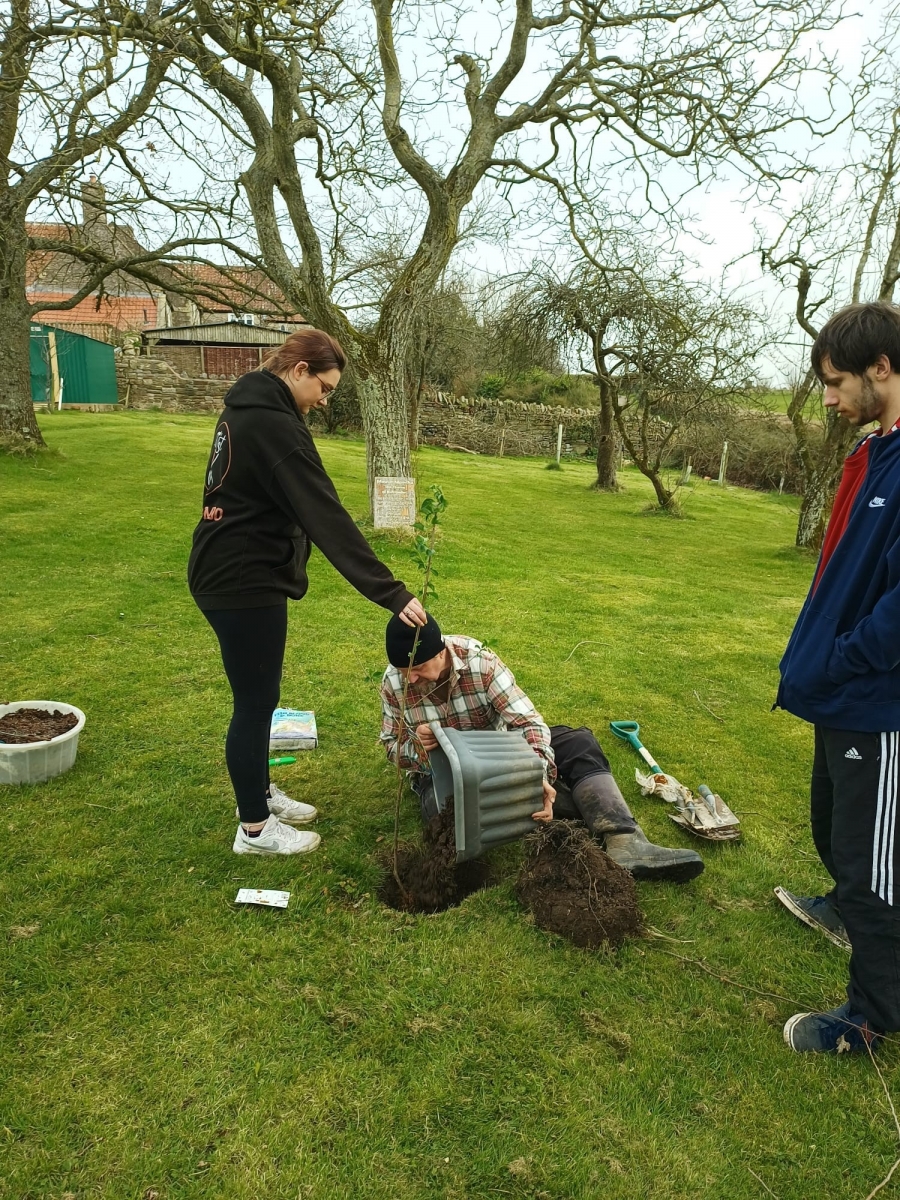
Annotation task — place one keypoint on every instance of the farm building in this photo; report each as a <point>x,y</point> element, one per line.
<point>226,348</point>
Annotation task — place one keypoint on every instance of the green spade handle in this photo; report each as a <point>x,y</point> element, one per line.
<point>628,731</point>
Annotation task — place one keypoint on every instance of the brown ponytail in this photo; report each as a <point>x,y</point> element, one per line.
<point>319,350</point>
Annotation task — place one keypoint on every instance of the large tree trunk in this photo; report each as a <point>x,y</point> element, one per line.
<point>607,442</point>
<point>18,427</point>
<point>385,415</point>
<point>417,396</point>
<point>384,393</point>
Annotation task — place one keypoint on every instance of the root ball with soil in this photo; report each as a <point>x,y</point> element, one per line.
<point>572,888</point>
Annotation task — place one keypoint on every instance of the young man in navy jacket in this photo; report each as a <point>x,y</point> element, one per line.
<point>841,672</point>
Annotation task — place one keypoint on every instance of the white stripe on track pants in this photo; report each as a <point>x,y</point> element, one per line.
<point>854,800</point>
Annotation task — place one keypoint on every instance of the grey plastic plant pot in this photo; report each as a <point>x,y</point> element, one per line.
<point>496,780</point>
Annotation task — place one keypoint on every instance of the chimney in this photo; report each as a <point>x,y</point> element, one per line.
<point>93,204</point>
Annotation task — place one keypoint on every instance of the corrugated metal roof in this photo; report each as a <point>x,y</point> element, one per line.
<point>222,333</point>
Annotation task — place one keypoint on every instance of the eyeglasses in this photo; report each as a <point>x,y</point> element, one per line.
<point>327,388</point>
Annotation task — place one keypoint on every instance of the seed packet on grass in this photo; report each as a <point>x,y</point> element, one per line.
<point>292,729</point>
<point>262,896</point>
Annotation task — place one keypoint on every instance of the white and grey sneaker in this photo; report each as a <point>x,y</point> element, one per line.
<point>275,838</point>
<point>291,812</point>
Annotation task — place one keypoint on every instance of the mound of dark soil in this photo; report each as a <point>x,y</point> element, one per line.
<point>572,888</point>
<point>430,877</point>
<point>34,725</point>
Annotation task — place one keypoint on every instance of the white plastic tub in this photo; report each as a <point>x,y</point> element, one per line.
<point>33,762</point>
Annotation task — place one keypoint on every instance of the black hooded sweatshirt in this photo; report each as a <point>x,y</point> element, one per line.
<point>266,497</point>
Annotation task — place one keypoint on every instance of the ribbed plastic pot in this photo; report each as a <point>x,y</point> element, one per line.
<point>496,780</point>
<point>33,762</point>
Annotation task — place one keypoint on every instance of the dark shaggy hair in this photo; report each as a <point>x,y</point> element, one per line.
<point>856,337</point>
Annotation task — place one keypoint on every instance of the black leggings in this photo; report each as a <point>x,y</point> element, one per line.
<point>252,642</point>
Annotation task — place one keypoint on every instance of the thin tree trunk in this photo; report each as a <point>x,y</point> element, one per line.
<point>891,265</point>
<point>813,516</point>
<point>18,427</point>
<point>663,495</point>
<point>821,482</point>
<point>607,442</point>
<point>644,463</point>
<point>821,467</point>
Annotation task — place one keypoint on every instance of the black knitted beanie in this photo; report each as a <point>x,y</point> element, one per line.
<point>399,637</point>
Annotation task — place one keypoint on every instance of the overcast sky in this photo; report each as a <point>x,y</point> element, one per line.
<point>725,216</point>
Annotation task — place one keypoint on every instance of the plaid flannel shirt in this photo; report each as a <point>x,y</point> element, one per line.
<point>482,694</point>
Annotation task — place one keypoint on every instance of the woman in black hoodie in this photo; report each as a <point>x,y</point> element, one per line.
<point>266,500</point>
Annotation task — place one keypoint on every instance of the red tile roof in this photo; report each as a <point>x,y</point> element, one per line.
<point>120,312</point>
<point>52,276</point>
<point>268,298</point>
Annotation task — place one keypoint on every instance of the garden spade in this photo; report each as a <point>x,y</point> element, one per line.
<point>706,816</point>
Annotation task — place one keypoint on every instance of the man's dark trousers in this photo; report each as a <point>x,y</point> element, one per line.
<point>854,826</point>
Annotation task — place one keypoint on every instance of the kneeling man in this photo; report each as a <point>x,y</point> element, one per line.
<point>459,683</point>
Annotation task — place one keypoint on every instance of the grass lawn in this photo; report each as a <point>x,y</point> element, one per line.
<point>160,1043</point>
<point>776,401</point>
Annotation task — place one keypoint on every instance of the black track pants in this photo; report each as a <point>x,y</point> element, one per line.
<point>854,827</point>
<point>252,642</point>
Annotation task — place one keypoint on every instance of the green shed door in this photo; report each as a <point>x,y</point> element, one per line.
<point>40,365</point>
<point>87,369</point>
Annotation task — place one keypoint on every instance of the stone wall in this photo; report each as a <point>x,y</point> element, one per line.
<point>761,451</point>
<point>187,359</point>
<point>503,426</point>
<point>154,383</point>
<point>484,426</point>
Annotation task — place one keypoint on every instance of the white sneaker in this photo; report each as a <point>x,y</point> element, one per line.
<point>275,838</point>
<point>291,812</point>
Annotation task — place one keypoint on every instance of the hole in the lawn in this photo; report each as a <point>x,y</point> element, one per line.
<point>431,878</point>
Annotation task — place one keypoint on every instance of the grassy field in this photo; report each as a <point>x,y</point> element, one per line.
<point>776,401</point>
<point>160,1043</point>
